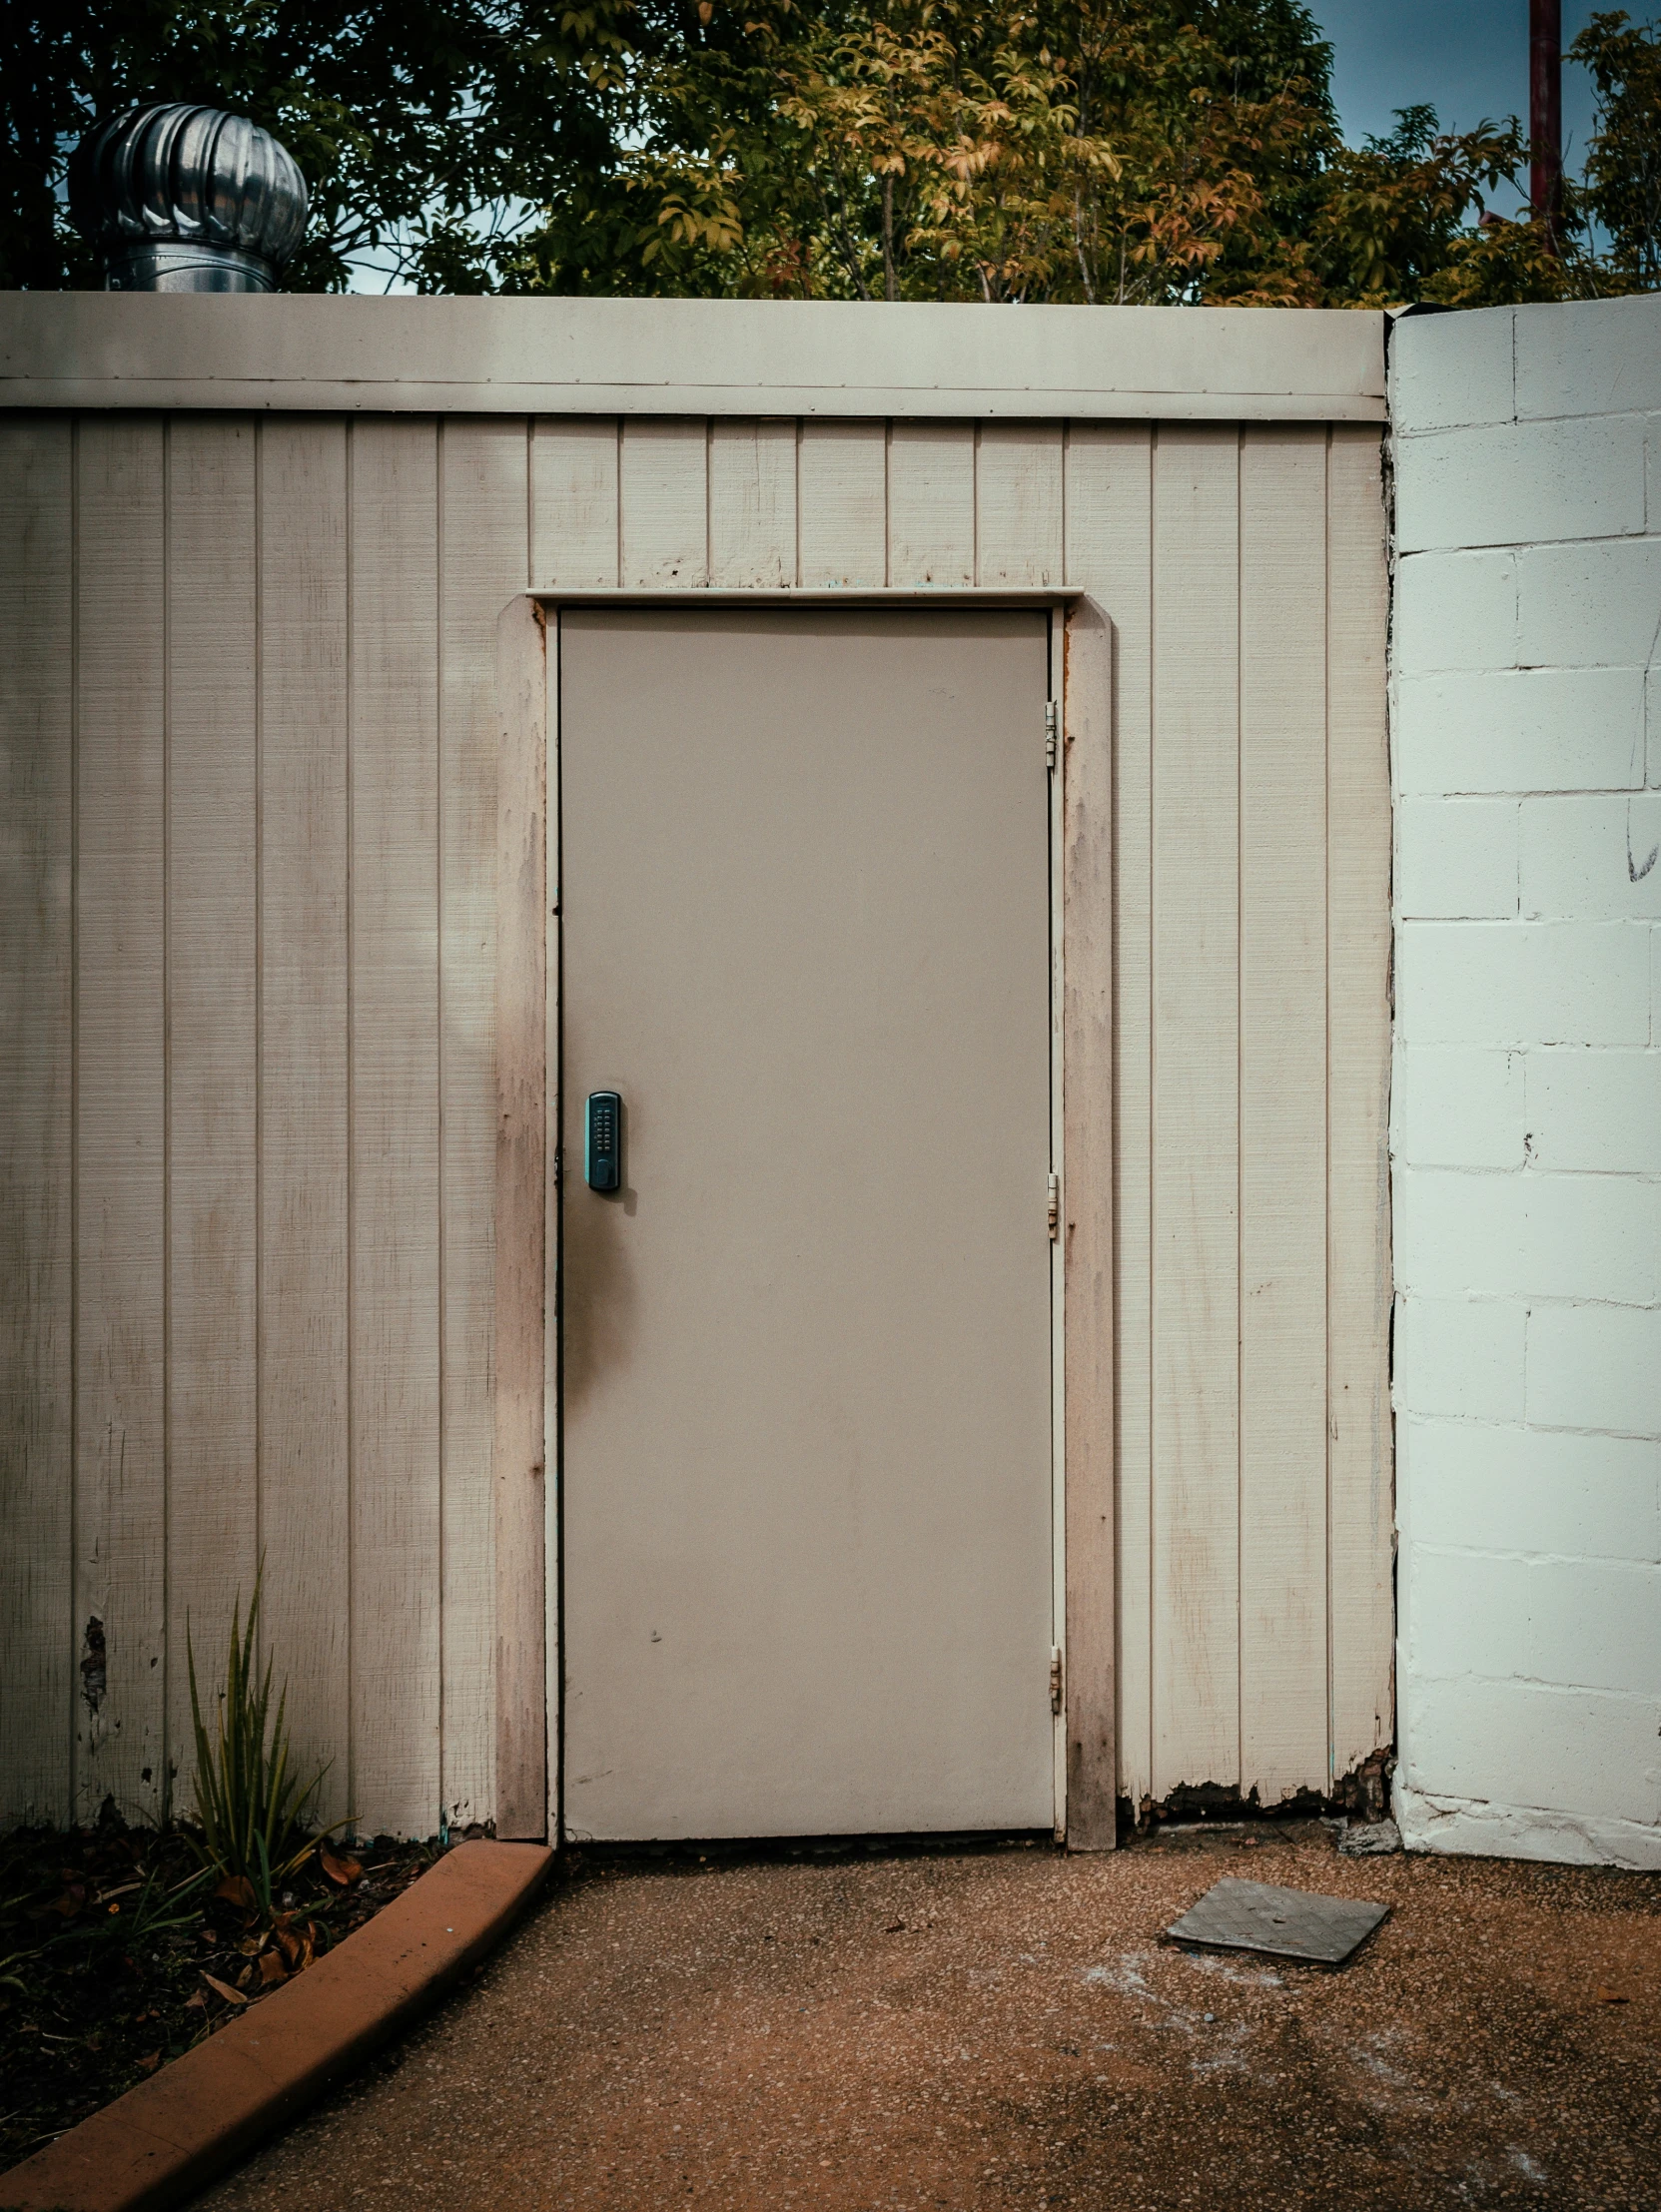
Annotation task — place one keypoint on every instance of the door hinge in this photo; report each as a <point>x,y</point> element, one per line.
<point>1058,1680</point>
<point>1054,1206</point>
<point>1050,733</point>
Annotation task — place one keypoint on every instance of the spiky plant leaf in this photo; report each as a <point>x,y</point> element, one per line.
<point>255,1811</point>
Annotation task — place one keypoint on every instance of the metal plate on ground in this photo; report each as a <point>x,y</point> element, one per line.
<point>1282,1923</point>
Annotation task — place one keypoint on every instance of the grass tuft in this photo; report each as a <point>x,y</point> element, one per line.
<point>254,1809</point>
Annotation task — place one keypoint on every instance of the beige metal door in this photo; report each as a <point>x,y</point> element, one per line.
<point>805,1374</point>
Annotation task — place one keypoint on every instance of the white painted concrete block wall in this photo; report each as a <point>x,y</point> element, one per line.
<point>1526,1119</point>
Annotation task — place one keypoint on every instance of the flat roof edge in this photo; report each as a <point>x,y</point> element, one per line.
<point>185,393</point>
<point>309,354</point>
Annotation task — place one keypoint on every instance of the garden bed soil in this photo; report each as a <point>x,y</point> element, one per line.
<point>118,1953</point>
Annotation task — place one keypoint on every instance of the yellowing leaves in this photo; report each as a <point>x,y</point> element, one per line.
<point>1132,151</point>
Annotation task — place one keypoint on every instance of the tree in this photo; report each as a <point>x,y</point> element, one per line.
<point>1160,151</point>
<point>944,149</point>
<point>1623,166</point>
<point>1071,153</point>
<point>1394,221</point>
<point>421,126</point>
<point>1140,151</point>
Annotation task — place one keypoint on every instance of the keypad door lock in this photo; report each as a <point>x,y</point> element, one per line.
<point>603,1144</point>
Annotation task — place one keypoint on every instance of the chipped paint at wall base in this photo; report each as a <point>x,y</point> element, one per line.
<point>1465,1825</point>
<point>1363,1796</point>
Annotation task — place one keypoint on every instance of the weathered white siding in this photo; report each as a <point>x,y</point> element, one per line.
<point>249,825</point>
<point>1244,571</point>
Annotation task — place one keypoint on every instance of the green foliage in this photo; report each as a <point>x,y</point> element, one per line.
<point>1623,165</point>
<point>418,124</point>
<point>120,1949</point>
<point>90,1922</point>
<point>1145,151</point>
<point>1137,150</point>
<point>251,1806</point>
<point>1394,221</point>
<point>161,1906</point>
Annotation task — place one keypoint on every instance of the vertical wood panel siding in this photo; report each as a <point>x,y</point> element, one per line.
<point>1108,518</point>
<point>212,1105</point>
<point>576,513</point>
<point>37,764</point>
<point>1361,1505</point>
<point>1195,1353</point>
<point>484,561</point>
<point>931,503</point>
<point>121,1315</point>
<point>248,974</point>
<point>753,502</point>
<point>1019,505</point>
<point>663,503</point>
<point>842,504</point>
<point>1282,1109</point>
<point>394,1102</point>
<point>305,1074</point>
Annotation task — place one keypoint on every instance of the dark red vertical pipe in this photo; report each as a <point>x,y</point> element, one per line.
<point>1545,111</point>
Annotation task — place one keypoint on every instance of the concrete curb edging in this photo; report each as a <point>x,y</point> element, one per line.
<point>170,2137</point>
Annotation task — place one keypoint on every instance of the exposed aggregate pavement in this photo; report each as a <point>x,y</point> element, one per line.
<point>998,2028</point>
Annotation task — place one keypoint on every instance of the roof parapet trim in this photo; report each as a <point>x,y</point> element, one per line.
<point>305,352</point>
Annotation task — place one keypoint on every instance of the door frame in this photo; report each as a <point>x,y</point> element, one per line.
<point>527,1441</point>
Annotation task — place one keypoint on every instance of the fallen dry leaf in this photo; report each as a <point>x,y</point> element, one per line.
<point>224,1990</point>
<point>198,2003</point>
<point>150,2061</point>
<point>271,1969</point>
<point>239,1890</point>
<point>339,1867</point>
<point>1612,1996</point>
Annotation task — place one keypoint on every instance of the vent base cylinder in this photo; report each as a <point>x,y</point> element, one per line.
<point>175,268</point>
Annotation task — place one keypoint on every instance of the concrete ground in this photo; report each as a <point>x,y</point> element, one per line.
<point>1000,2028</point>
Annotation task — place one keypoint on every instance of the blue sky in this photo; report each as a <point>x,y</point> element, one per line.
<point>1467,58</point>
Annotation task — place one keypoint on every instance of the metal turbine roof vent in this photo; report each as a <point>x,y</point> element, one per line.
<point>187,199</point>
